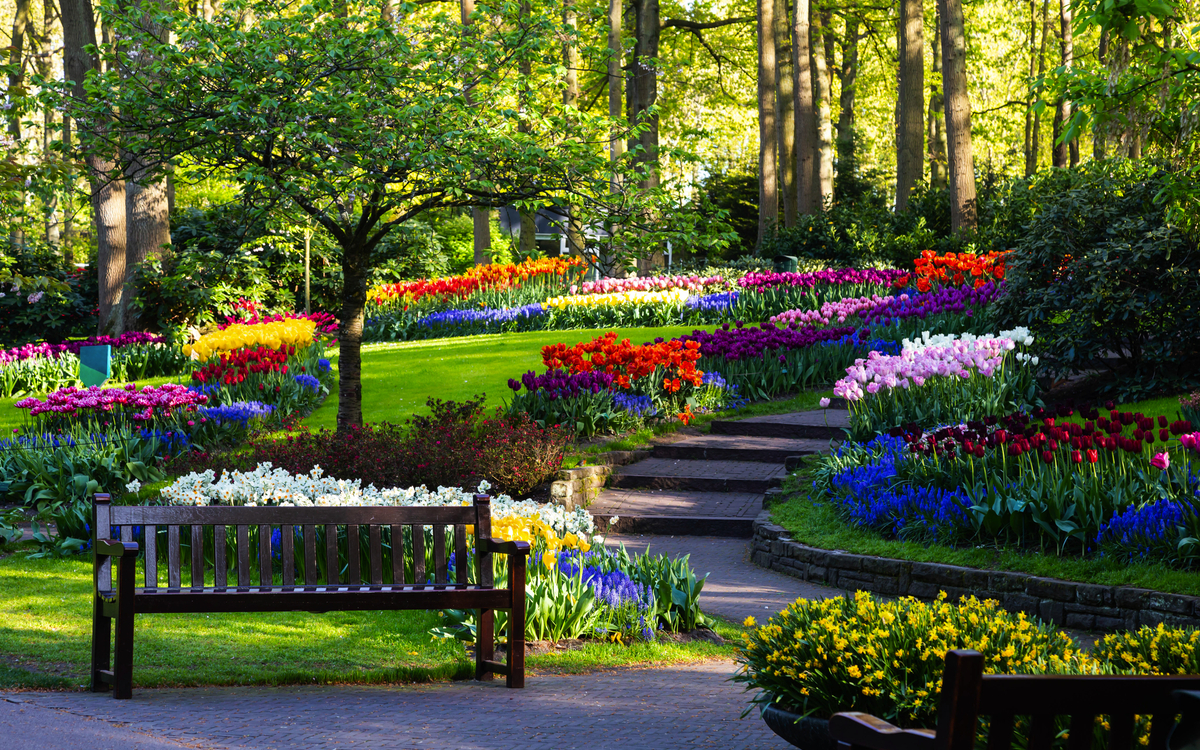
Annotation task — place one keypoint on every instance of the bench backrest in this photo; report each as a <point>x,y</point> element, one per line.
<point>219,538</point>
<point>967,694</point>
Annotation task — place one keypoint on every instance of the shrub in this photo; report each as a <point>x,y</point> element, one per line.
<point>1101,274</point>
<point>454,446</point>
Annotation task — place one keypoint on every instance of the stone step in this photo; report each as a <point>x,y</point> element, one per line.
<point>700,476</point>
<point>740,448</point>
<point>820,424</point>
<point>676,512</point>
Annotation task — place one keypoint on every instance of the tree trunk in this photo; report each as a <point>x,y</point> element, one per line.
<point>1065,153</point>
<point>356,264</point>
<point>785,114</point>
<point>963,216</point>
<point>527,242</point>
<point>616,144</point>
<point>768,146</point>
<point>50,209</point>
<point>910,135</point>
<point>807,189</point>
<point>819,20</point>
<point>16,81</point>
<point>1030,166</point>
<point>937,130</point>
<point>107,192</point>
<point>848,77</point>
<point>481,224</point>
<point>1100,131</point>
<point>575,241</point>
<point>1035,139</point>
<point>648,27</point>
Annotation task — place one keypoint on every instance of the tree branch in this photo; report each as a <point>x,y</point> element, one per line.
<point>683,23</point>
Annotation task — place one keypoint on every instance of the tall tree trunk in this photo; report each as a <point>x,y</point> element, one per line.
<point>937,117</point>
<point>768,146</point>
<point>819,20</point>
<point>16,81</point>
<point>107,192</point>
<point>575,240</point>
<point>1030,157</point>
<point>648,27</point>
<point>1035,140</point>
<point>848,77</point>
<point>963,211</point>
<point>785,113</point>
<point>481,225</point>
<point>1100,131</point>
<point>356,267</point>
<point>147,217</point>
<point>50,209</point>
<point>808,194</point>
<point>527,243</point>
<point>616,80</point>
<point>910,135</point>
<point>1065,152</point>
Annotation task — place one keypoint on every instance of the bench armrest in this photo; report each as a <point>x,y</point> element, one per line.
<point>508,548</point>
<point>114,548</point>
<point>866,731</point>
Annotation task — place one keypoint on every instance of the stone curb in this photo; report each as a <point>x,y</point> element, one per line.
<point>1082,606</point>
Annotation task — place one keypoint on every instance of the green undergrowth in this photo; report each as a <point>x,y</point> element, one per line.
<point>45,641</point>
<point>818,525</point>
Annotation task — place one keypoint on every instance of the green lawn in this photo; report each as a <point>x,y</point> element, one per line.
<point>399,378</point>
<point>45,640</point>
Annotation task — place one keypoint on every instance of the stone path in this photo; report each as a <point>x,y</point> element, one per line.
<point>714,484</point>
<point>689,706</point>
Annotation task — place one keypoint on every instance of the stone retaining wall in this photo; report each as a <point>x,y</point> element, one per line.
<point>1065,603</point>
<point>578,487</point>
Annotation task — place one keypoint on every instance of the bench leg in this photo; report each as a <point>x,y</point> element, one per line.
<point>516,623</point>
<point>485,644</point>
<point>123,661</point>
<point>101,645</point>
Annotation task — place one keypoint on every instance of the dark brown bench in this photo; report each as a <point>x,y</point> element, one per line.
<point>967,694</point>
<point>206,528</point>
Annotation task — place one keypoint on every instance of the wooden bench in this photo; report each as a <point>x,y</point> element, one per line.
<point>967,694</point>
<point>277,589</point>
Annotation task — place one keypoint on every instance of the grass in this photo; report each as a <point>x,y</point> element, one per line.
<point>818,525</point>
<point>398,378</point>
<point>45,639</point>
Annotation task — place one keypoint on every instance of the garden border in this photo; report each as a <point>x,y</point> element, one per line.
<point>578,487</point>
<point>1086,606</point>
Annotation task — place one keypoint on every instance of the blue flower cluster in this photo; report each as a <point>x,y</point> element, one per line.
<point>614,588</point>
<point>639,406</point>
<point>1150,530</point>
<point>309,381</point>
<point>722,302</point>
<point>172,441</point>
<point>714,378</point>
<point>239,411</point>
<point>323,365</point>
<point>483,315</point>
<point>862,338</point>
<point>867,496</point>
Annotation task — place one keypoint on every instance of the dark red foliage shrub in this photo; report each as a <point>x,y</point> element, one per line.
<point>454,446</point>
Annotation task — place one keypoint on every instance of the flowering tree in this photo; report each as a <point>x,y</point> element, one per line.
<point>358,120</point>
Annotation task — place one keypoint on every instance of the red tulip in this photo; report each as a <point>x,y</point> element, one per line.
<point>1077,457</point>
<point>1093,456</point>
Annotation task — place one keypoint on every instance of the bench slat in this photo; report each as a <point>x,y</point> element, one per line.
<point>1001,732</point>
<point>397,553</point>
<point>287,552</point>
<point>151,535</point>
<point>310,554</point>
<point>343,600</point>
<point>220,566</point>
<point>1079,736</point>
<point>331,556</point>
<point>184,515</point>
<point>1160,727</point>
<point>461,564</point>
<point>197,556</point>
<point>264,555</point>
<point>1041,732</point>
<point>483,530</point>
<point>418,553</point>
<point>243,553</point>
<point>440,574</point>
<point>1121,732</point>
<point>172,556</point>
<point>354,574</point>
<point>375,553</point>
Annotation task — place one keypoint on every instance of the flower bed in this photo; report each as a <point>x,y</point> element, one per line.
<point>289,333</point>
<point>957,269</point>
<point>42,367</point>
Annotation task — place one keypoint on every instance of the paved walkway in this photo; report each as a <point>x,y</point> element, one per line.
<point>691,706</point>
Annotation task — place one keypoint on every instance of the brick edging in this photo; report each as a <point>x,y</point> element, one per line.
<point>578,487</point>
<point>1065,603</point>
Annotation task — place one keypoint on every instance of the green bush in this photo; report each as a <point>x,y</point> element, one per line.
<point>1102,279</point>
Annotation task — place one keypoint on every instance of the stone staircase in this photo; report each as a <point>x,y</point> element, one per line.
<point>713,485</point>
